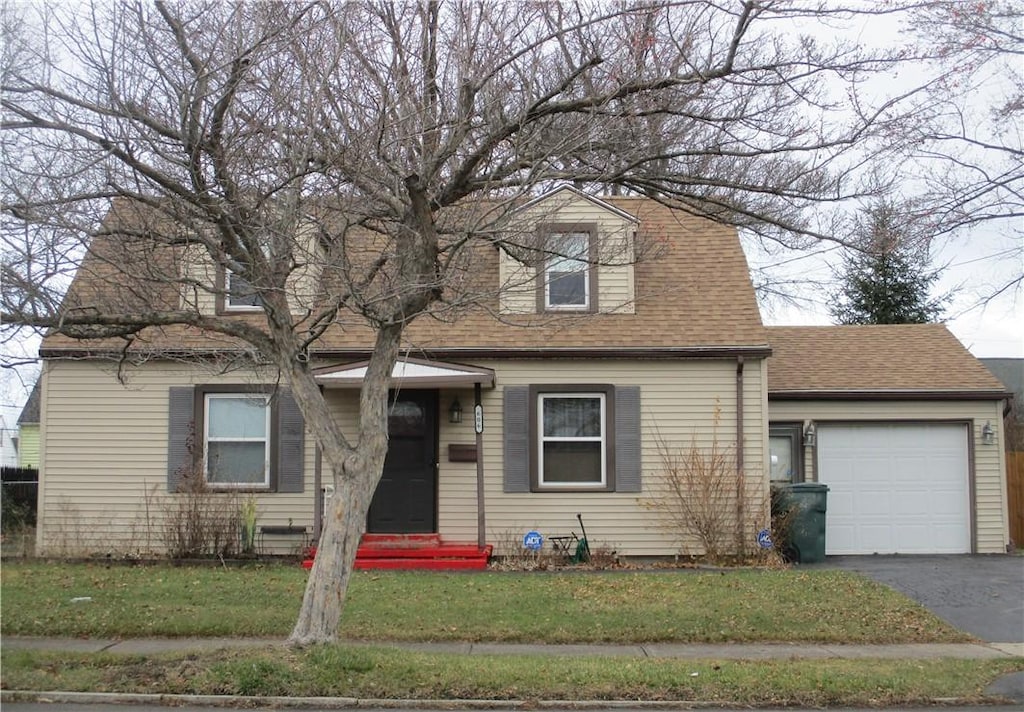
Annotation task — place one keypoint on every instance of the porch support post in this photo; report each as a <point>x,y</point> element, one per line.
<point>318,495</point>
<point>481,537</point>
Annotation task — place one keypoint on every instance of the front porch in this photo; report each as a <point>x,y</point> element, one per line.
<point>406,552</point>
<point>425,430</point>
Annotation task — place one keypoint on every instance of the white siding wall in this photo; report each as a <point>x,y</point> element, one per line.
<point>615,234</point>
<point>992,521</point>
<point>105,454</point>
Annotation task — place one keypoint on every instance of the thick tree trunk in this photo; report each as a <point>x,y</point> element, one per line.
<point>356,473</point>
<point>320,616</point>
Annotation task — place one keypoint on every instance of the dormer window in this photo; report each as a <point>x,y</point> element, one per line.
<point>568,279</point>
<point>240,294</point>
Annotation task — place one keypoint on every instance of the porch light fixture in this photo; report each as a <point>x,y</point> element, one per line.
<point>810,435</point>
<point>455,412</point>
<point>988,433</point>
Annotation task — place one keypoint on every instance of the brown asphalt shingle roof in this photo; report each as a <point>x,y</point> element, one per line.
<point>924,358</point>
<point>695,294</point>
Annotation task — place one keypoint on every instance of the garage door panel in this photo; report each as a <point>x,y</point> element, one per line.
<point>874,500</point>
<point>895,488</point>
<point>841,503</point>
<point>907,507</point>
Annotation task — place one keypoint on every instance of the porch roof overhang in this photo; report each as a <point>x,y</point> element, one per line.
<point>408,373</point>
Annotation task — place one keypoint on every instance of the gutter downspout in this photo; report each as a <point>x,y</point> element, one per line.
<point>741,533</point>
<point>739,415</point>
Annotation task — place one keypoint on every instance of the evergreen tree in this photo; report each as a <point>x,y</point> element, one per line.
<point>888,281</point>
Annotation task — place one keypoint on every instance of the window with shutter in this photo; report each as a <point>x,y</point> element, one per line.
<point>239,437</point>
<point>572,438</point>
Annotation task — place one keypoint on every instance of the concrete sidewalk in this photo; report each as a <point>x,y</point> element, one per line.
<point>1009,687</point>
<point>729,651</point>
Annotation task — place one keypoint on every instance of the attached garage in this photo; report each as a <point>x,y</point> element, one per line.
<point>895,488</point>
<point>905,427</point>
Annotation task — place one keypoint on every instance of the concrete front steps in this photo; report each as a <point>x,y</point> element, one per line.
<point>404,552</point>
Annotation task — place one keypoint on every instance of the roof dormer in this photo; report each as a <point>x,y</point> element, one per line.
<point>568,253</point>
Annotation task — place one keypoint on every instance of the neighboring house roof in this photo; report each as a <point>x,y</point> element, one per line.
<point>30,413</point>
<point>1010,371</point>
<point>923,360</point>
<point>693,296</point>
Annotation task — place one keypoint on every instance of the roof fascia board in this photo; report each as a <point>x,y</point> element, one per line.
<point>891,395</point>
<point>652,352</point>
<point>580,194</point>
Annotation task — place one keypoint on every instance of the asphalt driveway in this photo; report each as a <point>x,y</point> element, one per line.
<point>981,595</point>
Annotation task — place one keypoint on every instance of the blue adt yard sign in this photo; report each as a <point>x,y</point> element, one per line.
<point>533,541</point>
<point>764,539</point>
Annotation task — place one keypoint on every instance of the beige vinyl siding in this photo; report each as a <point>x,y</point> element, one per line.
<point>28,446</point>
<point>990,513</point>
<point>199,270</point>
<point>678,402</point>
<point>615,279</point>
<point>104,472</point>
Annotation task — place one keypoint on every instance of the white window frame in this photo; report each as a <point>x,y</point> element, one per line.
<point>265,484</point>
<point>555,258</point>
<point>228,306</point>
<point>542,439</point>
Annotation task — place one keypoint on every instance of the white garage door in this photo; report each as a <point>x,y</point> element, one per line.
<point>895,489</point>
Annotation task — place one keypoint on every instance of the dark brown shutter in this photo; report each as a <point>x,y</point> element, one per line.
<point>627,439</point>
<point>180,434</point>
<point>516,451</point>
<point>291,436</point>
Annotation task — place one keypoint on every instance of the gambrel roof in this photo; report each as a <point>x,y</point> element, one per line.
<point>693,296</point>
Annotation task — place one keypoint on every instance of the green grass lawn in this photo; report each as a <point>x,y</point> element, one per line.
<point>344,671</point>
<point>567,607</point>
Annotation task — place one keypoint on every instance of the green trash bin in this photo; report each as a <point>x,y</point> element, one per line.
<point>808,502</point>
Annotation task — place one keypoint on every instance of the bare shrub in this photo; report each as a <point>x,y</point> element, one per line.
<point>200,521</point>
<point>705,497</point>
<point>67,533</point>
<point>783,516</point>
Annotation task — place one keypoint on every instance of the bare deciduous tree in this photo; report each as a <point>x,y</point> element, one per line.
<point>969,154</point>
<point>348,163</point>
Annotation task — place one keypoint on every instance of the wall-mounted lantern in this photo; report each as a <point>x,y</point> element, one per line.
<point>810,435</point>
<point>988,433</point>
<point>455,412</point>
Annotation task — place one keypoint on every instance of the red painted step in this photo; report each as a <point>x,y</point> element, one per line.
<point>443,551</point>
<point>414,551</point>
<point>403,540</point>
<point>477,563</point>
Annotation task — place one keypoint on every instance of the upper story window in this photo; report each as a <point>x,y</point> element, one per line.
<point>569,276</point>
<point>240,294</point>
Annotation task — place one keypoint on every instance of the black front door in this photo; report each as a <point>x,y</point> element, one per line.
<point>406,498</point>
